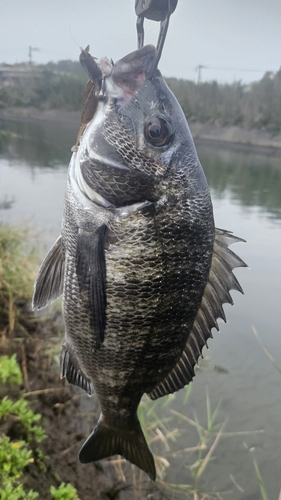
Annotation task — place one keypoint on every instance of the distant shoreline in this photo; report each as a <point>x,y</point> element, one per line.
<point>238,138</point>
<point>233,137</point>
<point>30,114</point>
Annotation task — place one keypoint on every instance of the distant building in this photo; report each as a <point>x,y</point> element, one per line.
<point>10,75</point>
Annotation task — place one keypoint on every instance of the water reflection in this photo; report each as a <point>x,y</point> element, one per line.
<point>252,179</point>
<point>38,143</point>
<point>246,192</point>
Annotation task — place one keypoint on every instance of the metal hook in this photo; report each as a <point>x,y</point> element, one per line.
<point>156,10</point>
<point>140,32</point>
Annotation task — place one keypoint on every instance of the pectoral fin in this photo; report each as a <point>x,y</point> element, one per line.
<point>91,273</point>
<point>49,282</point>
<point>221,281</point>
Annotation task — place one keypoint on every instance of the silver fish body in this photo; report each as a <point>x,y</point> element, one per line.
<point>142,269</point>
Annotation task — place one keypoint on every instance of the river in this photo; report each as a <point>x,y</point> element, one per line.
<point>246,193</point>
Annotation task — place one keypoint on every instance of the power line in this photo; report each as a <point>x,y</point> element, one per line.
<point>237,69</point>
<point>202,66</point>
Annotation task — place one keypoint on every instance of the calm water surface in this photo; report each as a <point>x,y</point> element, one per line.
<point>246,192</point>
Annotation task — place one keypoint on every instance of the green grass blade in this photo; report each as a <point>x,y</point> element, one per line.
<point>187,392</point>
<point>267,352</point>
<point>260,481</point>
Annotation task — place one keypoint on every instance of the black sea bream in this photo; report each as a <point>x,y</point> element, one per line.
<point>141,267</point>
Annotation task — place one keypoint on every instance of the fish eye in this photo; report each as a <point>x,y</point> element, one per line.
<point>158,131</point>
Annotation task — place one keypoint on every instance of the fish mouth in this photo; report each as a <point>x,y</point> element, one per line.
<point>131,71</point>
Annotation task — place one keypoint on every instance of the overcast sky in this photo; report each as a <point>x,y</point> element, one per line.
<point>228,35</point>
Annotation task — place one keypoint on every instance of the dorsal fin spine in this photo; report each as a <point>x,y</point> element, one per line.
<point>221,287</point>
<point>189,348</point>
<point>189,367</point>
<point>193,338</point>
<point>220,311</point>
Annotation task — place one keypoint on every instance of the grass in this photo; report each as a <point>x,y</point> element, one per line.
<point>18,265</point>
<point>163,429</point>
<point>256,467</point>
<point>267,352</point>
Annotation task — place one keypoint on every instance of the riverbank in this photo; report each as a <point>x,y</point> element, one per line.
<point>238,138</point>
<point>233,136</point>
<point>32,393</point>
<point>35,114</point>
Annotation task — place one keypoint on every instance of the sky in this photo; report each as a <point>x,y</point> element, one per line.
<point>233,39</point>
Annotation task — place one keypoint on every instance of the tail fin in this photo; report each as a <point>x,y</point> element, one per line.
<point>131,444</point>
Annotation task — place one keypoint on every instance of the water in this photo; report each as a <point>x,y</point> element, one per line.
<point>246,192</point>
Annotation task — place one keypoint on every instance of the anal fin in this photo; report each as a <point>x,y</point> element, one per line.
<point>72,373</point>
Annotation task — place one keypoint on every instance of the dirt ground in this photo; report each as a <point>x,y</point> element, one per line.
<point>68,415</point>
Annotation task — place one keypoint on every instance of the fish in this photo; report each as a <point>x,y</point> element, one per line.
<point>142,269</point>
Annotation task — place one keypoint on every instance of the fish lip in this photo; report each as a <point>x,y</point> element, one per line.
<point>131,71</point>
<point>143,56</point>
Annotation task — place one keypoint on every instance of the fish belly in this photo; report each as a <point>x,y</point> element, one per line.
<point>155,282</point>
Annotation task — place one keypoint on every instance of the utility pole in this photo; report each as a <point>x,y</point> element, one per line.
<point>199,69</point>
<point>30,50</point>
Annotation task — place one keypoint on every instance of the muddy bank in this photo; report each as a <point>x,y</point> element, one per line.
<point>233,136</point>
<point>68,415</point>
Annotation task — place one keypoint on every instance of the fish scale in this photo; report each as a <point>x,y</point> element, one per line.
<point>143,271</point>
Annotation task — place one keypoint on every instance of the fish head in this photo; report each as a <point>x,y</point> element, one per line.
<point>148,111</point>
<point>140,128</point>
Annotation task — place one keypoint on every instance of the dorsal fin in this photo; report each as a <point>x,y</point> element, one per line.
<point>221,280</point>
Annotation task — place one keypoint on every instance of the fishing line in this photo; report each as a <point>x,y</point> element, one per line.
<point>71,34</point>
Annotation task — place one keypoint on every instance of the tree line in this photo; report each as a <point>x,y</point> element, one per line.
<point>60,85</point>
<point>257,105</point>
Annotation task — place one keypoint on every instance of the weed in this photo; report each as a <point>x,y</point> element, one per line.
<point>260,481</point>
<point>10,372</point>
<point>267,352</point>
<point>15,456</point>
<point>278,368</point>
<point>64,492</point>
<point>17,273</point>
<point>163,437</point>
<point>27,417</point>
<point>17,493</point>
